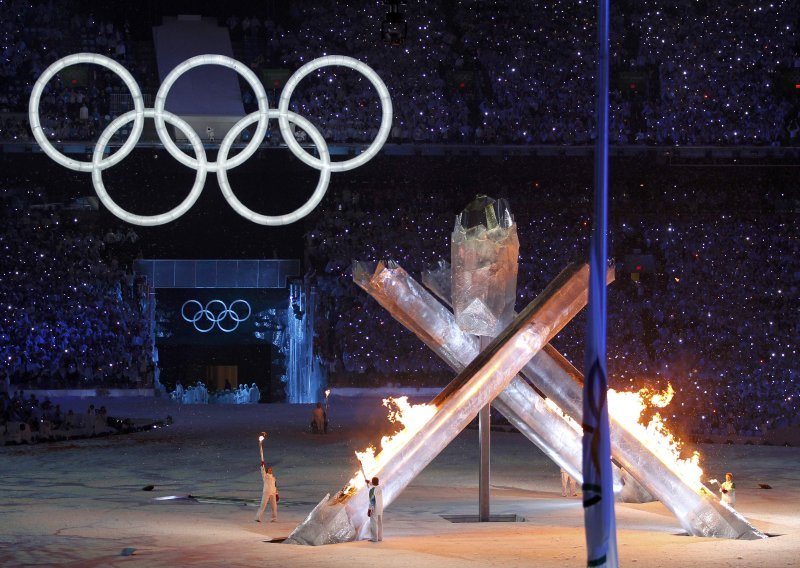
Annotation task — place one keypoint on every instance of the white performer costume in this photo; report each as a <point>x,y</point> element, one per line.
<point>567,482</point>
<point>268,495</point>
<point>255,393</point>
<point>727,492</point>
<point>376,512</point>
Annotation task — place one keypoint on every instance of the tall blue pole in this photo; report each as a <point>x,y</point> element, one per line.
<point>598,492</point>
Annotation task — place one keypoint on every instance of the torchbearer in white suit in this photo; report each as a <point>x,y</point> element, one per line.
<point>375,511</point>
<point>727,490</point>
<point>269,493</point>
<point>568,484</point>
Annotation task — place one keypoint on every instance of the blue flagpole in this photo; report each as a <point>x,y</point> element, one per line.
<point>598,491</point>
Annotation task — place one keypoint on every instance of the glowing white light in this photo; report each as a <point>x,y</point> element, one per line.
<point>261,113</point>
<point>36,95</point>
<point>213,319</point>
<point>372,77</point>
<point>148,220</point>
<point>308,206</point>
<point>199,161</point>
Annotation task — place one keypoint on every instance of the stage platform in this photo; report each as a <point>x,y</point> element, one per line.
<point>81,502</point>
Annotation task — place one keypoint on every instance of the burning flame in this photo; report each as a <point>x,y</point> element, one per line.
<point>412,417</point>
<point>627,409</point>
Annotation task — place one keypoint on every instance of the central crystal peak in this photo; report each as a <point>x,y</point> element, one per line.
<point>484,256</point>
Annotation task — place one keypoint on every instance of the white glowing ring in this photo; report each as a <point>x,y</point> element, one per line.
<point>234,315</point>
<point>149,220</point>
<point>41,137</point>
<point>199,162</point>
<point>316,197</point>
<point>383,95</point>
<point>215,319</point>
<point>249,76</point>
<point>201,311</point>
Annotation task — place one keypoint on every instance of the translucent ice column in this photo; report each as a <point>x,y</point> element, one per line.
<point>343,517</point>
<point>485,249</point>
<point>696,508</point>
<point>540,421</point>
<point>484,253</point>
<point>698,511</point>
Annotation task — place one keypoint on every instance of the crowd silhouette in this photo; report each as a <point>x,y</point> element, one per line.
<point>692,73</point>
<point>73,312</point>
<point>708,257</point>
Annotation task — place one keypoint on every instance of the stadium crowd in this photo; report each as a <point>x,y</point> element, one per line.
<point>714,313</point>
<point>24,419</point>
<point>472,71</point>
<point>710,311</point>
<point>72,311</point>
<point>74,106</point>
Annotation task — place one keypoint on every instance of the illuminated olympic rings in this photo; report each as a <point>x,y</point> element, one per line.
<point>208,316</point>
<point>199,163</point>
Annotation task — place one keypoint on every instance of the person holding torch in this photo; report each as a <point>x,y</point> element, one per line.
<point>269,493</point>
<point>727,490</point>
<point>375,510</point>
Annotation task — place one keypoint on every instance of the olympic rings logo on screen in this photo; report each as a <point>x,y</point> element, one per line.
<point>216,313</point>
<point>199,163</point>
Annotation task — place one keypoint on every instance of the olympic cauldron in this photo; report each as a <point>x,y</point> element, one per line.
<point>491,374</point>
<point>484,376</point>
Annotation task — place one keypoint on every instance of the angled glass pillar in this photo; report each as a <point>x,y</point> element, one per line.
<point>343,517</point>
<point>696,508</point>
<point>484,255</point>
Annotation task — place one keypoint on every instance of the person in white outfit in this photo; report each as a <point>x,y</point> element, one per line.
<point>255,393</point>
<point>727,490</point>
<point>568,484</point>
<point>269,494</point>
<point>375,511</point>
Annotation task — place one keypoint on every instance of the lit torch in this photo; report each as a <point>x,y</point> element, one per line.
<point>411,417</point>
<point>364,473</point>
<point>327,394</point>
<point>261,439</point>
